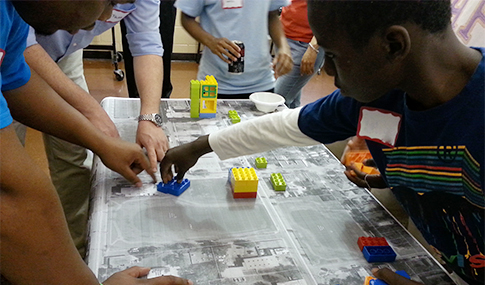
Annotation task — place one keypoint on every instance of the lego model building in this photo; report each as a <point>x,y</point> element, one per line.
<point>203,97</point>
<point>244,182</point>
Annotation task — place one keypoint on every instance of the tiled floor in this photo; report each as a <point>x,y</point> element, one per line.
<point>102,83</point>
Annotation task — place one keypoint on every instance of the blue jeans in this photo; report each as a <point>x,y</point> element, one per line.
<point>290,84</point>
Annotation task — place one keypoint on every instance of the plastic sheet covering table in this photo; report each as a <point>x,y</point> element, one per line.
<point>304,235</point>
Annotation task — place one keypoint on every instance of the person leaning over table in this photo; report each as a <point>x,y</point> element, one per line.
<point>250,22</point>
<point>36,246</point>
<point>69,174</point>
<point>415,93</point>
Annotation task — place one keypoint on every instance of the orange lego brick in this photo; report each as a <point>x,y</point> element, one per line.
<point>356,156</point>
<point>366,169</point>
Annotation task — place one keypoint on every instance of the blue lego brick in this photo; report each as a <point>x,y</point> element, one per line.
<point>379,253</point>
<point>173,187</point>
<point>207,115</point>
<point>376,281</point>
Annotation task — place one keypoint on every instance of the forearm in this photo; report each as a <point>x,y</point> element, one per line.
<point>195,30</point>
<point>225,49</point>
<point>282,62</point>
<point>259,135</point>
<point>49,113</point>
<point>276,31</point>
<point>36,245</point>
<point>42,64</point>
<point>149,77</point>
<point>314,43</point>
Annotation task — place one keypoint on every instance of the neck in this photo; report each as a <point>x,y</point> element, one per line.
<point>441,68</point>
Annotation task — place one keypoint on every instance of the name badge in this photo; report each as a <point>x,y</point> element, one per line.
<point>379,125</point>
<point>232,4</point>
<point>117,16</point>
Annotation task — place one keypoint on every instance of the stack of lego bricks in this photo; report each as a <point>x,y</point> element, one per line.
<point>244,182</point>
<point>376,249</point>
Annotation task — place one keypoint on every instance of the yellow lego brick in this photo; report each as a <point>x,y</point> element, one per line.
<point>244,180</point>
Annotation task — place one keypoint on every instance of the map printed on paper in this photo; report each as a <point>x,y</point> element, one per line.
<point>304,235</point>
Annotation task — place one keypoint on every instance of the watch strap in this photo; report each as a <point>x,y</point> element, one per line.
<point>150,117</point>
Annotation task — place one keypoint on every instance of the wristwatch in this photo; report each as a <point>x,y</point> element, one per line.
<point>154,118</point>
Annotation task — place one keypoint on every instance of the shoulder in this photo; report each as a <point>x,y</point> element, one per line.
<point>194,8</point>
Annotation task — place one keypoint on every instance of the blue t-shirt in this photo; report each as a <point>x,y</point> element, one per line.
<point>435,166</point>
<point>247,23</point>
<point>14,71</point>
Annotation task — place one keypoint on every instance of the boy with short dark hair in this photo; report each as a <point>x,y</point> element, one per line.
<point>415,93</point>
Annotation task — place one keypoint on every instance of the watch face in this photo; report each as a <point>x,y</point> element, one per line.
<point>158,119</point>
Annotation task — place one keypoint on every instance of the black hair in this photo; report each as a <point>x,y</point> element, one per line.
<point>363,18</point>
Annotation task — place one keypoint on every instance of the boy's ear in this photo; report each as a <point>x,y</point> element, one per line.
<point>397,41</point>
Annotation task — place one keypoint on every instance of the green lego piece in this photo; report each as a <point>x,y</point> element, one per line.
<point>278,182</point>
<point>194,98</point>
<point>261,162</point>
<point>234,116</point>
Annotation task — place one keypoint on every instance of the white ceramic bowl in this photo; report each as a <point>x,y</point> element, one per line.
<point>266,101</point>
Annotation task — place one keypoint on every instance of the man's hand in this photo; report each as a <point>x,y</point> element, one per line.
<point>125,158</point>
<point>154,140</point>
<point>282,62</point>
<point>130,276</point>
<point>222,47</point>
<point>307,65</point>
<point>225,49</point>
<point>392,278</point>
<point>183,157</point>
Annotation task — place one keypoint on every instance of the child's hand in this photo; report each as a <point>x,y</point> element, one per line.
<point>392,278</point>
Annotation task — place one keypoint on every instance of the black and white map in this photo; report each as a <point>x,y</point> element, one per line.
<point>304,235</point>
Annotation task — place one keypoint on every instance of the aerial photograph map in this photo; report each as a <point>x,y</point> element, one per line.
<point>306,234</point>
